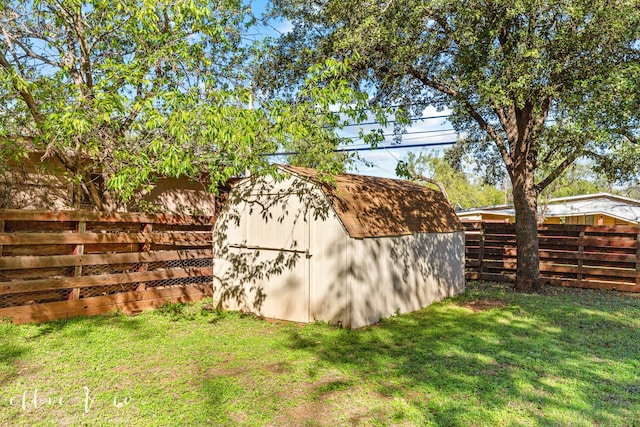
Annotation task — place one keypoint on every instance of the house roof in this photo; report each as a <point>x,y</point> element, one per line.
<point>370,206</point>
<point>618,207</point>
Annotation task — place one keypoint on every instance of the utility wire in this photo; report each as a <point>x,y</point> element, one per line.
<point>380,147</point>
<point>418,132</point>
<point>412,119</point>
<point>419,137</point>
<point>371,164</point>
<point>385,147</point>
<point>391,154</point>
<point>416,138</point>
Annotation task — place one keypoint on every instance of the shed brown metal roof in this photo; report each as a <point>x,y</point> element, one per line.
<point>376,207</point>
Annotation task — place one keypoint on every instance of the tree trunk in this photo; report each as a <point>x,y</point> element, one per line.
<point>525,200</point>
<point>86,185</point>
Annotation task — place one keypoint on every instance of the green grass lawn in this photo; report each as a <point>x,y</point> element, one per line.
<point>488,357</point>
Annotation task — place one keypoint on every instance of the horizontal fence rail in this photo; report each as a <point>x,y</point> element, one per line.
<point>61,264</point>
<point>581,256</point>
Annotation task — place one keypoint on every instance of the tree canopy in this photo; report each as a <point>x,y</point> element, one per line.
<point>143,88</point>
<point>530,83</point>
<point>463,191</point>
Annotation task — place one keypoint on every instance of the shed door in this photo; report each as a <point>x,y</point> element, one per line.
<point>279,245</point>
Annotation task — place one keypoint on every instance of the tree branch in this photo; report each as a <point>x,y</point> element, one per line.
<point>387,6</point>
<point>484,125</point>
<point>568,161</point>
<point>508,123</point>
<point>85,58</point>
<point>30,53</point>
<point>630,137</point>
<point>114,30</point>
<point>420,177</point>
<point>24,93</point>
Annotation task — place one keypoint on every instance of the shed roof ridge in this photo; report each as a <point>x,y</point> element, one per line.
<point>369,206</point>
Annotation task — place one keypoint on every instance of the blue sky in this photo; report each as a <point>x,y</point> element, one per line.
<point>433,130</point>
<point>430,128</point>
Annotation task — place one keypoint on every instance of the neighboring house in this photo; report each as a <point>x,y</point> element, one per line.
<point>42,183</point>
<point>589,209</point>
<point>366,248</point>
<point>35,183</point>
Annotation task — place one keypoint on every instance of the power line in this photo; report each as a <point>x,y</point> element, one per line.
<point>419,137</point>
<point>418,132</point>
<point>380,147</point>
<point>386,147</point>
<point>390,153</point>
<point>371,164</point>
<point>356,138</point>
<point>413,119</point>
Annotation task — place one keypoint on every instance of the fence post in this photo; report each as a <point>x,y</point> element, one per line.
<point>1,231</point>
<point>638,258</point>
<point>79,251</point>
<point>481,251</point>
<point>144,247</point>
<point>579,277</point>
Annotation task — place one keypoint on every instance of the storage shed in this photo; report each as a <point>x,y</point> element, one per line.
<point>348,252</point>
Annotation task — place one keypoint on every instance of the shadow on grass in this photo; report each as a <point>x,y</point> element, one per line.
<point>220,393</point>
<point>11,350</point>
<point>81,326</point>
<point>17,340</point>
<point>547,361</point>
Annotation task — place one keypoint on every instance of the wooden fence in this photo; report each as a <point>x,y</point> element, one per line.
<point>570,255</point>
<point>62,264</point>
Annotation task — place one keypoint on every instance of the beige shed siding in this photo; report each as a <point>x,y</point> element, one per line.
<point>285,295</point>
<point>329,268</point>
<point>323,273</point>
<point>271,275</point>
<point>402,274</point>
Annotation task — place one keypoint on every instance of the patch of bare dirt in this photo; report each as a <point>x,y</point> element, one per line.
<point>279,322</point>
<point>307,413</point>
<point>279,368</point>
<point>317,405</point>
<point>482,305</point>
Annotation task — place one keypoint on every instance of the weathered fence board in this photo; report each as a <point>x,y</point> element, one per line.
<point>127,302</point>
<point>91,216</point>
<point>570,255</point>
<point>80,238</point>
<point>15,287</point>
<point>29,262</point>
<point>61,264</point>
